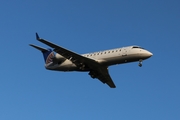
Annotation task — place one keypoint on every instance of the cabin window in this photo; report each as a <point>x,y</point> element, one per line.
<point>112,51</point>
<point>104,52</point>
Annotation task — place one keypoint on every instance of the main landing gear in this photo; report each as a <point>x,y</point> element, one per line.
<point>140,63</point>
<point>93,74</point>
<point>82,67</point>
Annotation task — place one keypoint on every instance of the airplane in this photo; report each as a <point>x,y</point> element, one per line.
<point>96,63</point>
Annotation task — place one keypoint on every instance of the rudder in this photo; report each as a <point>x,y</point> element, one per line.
<point>48,54</point>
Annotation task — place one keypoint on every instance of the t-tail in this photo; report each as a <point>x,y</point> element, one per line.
<point>47,53</point>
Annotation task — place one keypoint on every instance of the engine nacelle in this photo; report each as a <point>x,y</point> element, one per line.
<point>58,59</point>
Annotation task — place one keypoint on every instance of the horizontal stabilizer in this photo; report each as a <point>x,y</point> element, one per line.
<point>39,48</point>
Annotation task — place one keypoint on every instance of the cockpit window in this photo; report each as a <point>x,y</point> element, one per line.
<point>137,47</point>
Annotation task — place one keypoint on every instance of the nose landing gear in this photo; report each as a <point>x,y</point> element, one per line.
<point>140,63</point>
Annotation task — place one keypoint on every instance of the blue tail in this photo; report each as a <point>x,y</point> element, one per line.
<point>47,53</point>
<point>48,56</point>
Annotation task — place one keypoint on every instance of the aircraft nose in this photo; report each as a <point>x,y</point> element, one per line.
<point>149,54</point>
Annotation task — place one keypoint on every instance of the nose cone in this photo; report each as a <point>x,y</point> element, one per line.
<point>145,54</point>
<point>149,54</point>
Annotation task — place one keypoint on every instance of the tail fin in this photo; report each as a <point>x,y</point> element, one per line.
<point>48,56</point>
<point>47,53</point>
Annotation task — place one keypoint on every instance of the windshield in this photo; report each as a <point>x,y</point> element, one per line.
<point>137,47</point>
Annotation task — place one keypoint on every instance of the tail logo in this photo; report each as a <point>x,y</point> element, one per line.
<point>50,58</point>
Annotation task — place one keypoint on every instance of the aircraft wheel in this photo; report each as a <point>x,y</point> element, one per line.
<point>140,63</point>
<point>82,66</point>
<point>92,74</point>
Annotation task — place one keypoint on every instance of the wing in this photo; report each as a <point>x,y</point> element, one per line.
<point>104,76</point>
<point>72,56</point>
<point>81,61</point>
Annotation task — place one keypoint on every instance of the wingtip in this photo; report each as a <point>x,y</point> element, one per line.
<point>37,36</point>
<point>30,44</point>
<point>113,86</point>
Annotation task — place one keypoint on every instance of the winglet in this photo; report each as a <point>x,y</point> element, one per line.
<point>37,36</point>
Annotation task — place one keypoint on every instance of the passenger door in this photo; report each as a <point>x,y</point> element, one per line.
<point>124,51</point>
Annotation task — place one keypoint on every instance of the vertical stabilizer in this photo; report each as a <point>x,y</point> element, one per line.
<point>48,54</point>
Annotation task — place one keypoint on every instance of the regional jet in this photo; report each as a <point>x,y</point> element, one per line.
<point>61,59</point>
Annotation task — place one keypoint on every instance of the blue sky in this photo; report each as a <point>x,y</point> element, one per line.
<point>30,92</point>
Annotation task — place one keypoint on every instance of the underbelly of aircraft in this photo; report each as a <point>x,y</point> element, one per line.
<point>121,60</point>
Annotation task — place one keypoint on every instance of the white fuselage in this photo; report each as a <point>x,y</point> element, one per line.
<point>106,57</point>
